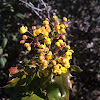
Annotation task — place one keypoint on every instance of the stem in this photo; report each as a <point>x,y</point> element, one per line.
<point>30,37</point>
<point>30,33</point>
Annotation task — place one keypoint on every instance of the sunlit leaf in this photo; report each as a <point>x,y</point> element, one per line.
<point>12,83</point>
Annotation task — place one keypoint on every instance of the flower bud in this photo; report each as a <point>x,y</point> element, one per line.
<point>22,41</point>
<point>57,22</point>
<point>63,31</point>
<point>54,62</point>
<point>60,41</point>
<point>45,22</point>
<point>62,26</point>
<point>29,48</point>
<point>63,37</point>
<point>26,44</point>
<point>54,17</point>
<point>66,25</point>
<point>25,37</point>
<point>64,19</point>
<point>57,44</point>
<point>33,27</point>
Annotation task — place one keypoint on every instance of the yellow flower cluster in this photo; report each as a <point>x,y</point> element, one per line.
<point>49,39</point>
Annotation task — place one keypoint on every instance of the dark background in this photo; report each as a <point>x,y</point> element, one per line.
<point>83,37</point>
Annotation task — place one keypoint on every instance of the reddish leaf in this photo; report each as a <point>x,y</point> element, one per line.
<point>13,70</point>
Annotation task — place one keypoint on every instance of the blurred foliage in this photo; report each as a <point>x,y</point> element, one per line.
<point>84,37</point>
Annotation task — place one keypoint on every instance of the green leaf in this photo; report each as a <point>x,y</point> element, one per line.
<point>12,83</point>
<point>1,50</point>
<point>5,40</point>
<point>3,61</point>
<point>76,68</point>
<point>53,92</point>
<point>14,38</point>
<point>63,84</point>
<point>20,15</point>
<point>32,97</point>
<point>5,55</point>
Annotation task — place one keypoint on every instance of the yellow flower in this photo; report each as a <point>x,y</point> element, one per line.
<point>48,57</point>
<point>60,41</point>
<point>42,46</point>
<point>45,22</point>
<point>62,26</point>
<point>50,53</point>
<point>23,29</point>
<point>67,47</point>
<point>54,62</point>
<point>64,19</point>
<point>63,70</point>
<point>68,54</point>
<point>45,33</point>
<point>48,41</point>
<point>29,48</point>
<point>40,50</point>
<point>25,37</point>
<point>48,29</point>
<point>59,71</point>
<point>37,32</point>
<point>67,65</point>
<point>59,59</point>
<point>63,30</point>
<point>47,26</point>
<point>57,44</point>
<point>63,37</point>
<point>42,57</point>
<point>63,60</point>
<point>46,19</point>
<point>66,25</point>
<point>57,27</point>
<point>54,17</point>
<point>55,71</point>
<point>26,44</point>
<point>56,67</point>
